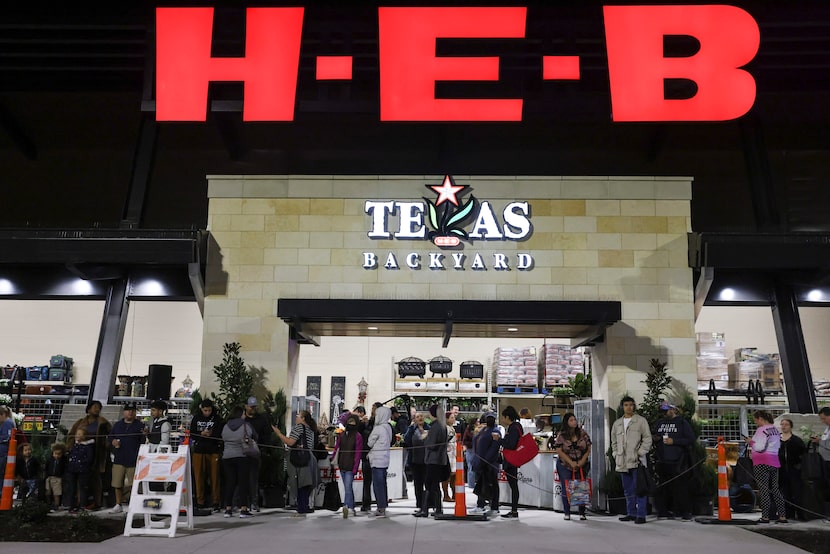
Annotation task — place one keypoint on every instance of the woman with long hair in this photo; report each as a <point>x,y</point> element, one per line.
<point>573,448</point>
<point>304,478</point>
<point>765,444</point>
<point>347,452</point>
<point>510,420</point>
<point>789,476</point>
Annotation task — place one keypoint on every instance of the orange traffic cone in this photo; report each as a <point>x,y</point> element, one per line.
<point>8,478</point>
<point>460,494</point>
<point>724,509</point>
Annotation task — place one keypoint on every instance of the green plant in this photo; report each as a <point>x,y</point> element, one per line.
<point>195,400</point>
<point>31,512</point>
<point>272,469</point>
<point>657,383</point>
<point>581,385</point>
<point>235,381</point>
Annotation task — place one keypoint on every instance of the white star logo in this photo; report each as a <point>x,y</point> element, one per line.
<point>446,191</point>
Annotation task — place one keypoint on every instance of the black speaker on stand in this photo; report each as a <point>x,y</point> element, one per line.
<point>159,381</point>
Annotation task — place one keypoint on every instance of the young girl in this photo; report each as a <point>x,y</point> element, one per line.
<point>27,472</point>
<point>77,472</point>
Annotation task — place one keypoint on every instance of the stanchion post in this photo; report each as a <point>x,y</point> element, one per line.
<point>8,478</point>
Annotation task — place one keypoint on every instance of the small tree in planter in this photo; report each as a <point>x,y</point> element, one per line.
<point>235,380</point>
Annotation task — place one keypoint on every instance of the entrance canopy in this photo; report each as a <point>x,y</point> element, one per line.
<point>583,322</point>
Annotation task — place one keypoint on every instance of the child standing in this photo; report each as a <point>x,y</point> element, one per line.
<point>77,471</point>
<point>55,470</point>
<point>27,472</point>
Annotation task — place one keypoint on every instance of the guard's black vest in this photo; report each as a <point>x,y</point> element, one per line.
<point>154,436</point>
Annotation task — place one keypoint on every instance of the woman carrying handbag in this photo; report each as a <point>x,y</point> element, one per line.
<point>510,419</point>
<point>305,478</point>
<point>573,448</point>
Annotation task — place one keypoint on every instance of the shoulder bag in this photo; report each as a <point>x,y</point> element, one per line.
<point>744,473</point>
<point>249,445</point>
<point>299,455</point>
<point>525,451</point>
<point>578,490</point>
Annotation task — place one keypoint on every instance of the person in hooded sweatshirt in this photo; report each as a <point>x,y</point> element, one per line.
<point>347,451</point>
<point>235,463</point>
<point>379,443</point>
<point>435,458</point>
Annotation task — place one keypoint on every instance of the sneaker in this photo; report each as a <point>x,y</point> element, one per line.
<point>228,513</point>
<point>255,507</point>
<point>640,520</point>
<point>118,509</point>
<point>509,515</point>
<point>492,512</point>
<point>378,514</point>
<point>345,512</point>
<point>91,507</point>
<point>298,515</point>
<point>567,517</point>
<point>627,518</point>
<point>245,514</point>
<point>687,517</point>
<point>583,517</point>
<point>74,510</point>
<point>477,511</point>
<point>216,509</point>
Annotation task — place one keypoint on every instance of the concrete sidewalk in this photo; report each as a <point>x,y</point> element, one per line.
<point>535,531</point>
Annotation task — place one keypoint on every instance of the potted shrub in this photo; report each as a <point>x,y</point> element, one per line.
<point>273,477</point>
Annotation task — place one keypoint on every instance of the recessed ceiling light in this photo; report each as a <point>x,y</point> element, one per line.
<point>814,295</point>
<point>727,294</point>
<point>512,329</point>
<point>372,328</point>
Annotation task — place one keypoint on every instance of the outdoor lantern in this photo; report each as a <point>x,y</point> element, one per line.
<point>361,388</point>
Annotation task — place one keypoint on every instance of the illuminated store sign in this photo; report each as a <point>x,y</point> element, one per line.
<point>409,66</point>
<point>445,222</point>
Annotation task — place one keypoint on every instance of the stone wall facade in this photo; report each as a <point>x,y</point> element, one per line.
<point>594,238</point>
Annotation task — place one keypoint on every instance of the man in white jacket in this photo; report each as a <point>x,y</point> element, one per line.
<point>379,443</point>
<point>630,442</point>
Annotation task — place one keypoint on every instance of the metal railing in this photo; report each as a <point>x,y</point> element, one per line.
<point>731,421</point>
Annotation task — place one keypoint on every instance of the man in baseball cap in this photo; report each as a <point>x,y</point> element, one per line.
<point>673,435</point>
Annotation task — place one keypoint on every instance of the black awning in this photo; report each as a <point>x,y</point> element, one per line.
<point>583,322</point>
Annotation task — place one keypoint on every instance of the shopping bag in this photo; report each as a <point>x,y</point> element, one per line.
<point>579,490</point>
<point>811,464</point>
<point>744,474</point>
<point>525,451</point>
<point>331,496</point>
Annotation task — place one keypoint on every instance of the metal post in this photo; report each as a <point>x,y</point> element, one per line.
<point>110,339</point>
<point>801,395</point>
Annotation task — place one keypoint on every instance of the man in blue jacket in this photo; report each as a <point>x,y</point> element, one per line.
<point>126,437</point>
<point>673,436</point>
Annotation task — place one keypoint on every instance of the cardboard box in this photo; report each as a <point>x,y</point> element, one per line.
<point>768,373</point>
<point>446,385</point>
<point>407,384</point>
<point>467,385</point>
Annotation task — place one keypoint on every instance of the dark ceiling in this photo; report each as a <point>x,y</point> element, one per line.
<point>75,76</point>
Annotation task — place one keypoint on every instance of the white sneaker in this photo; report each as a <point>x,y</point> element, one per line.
<point>118,509</point>
<point>378,513</point>
<point>477,511</point>
<point>492,512</point>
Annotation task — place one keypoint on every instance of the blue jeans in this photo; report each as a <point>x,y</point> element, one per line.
<point>635,506</point>
<point>566,474</point>
<point>379,486</point>
<point>470,456</point>
<point>348,490</point>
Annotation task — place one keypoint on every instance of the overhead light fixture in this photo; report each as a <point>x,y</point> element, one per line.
<point>7,287</point>
<point>727,294</point>
<point>512,329</point>
<point>81,286</point>
<point>815,295</point>
<point>372,328</point>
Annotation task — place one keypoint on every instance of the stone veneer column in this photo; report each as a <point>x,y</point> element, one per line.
<point>595,238</point>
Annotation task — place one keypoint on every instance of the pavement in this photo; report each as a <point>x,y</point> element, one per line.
<point>535,531</point>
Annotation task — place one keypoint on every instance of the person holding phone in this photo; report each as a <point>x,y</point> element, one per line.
<point>765,444</point>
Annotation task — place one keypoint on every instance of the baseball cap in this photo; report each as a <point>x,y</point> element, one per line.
<point>130,406</point>
<point>252,401</point>
<point>665,406</point>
